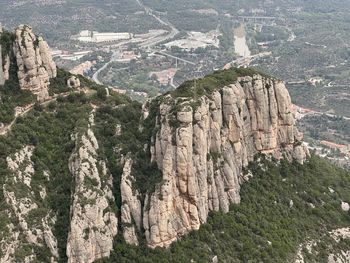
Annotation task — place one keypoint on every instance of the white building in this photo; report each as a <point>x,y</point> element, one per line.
<point>96,37</point>
<point>107,37</point>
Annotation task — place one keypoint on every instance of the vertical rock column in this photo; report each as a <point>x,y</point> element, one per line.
<point>93,223</point>
<point>34,61</point>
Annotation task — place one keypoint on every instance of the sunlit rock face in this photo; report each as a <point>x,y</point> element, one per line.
<point>203,156</point>
<point>34,62</point>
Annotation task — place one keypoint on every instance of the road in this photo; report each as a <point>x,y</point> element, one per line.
<point>95,76</point>
<point>175,57</point>
<point>147,44</point>
<point>174,31</point>
<point>314,112</point>
<point>245,61</point>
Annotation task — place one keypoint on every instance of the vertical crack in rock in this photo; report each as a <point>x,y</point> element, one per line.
<point>93,223</point>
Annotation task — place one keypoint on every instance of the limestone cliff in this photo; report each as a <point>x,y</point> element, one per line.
<point>202,146</point>
<point>93,223</point>
<point>191,147</point>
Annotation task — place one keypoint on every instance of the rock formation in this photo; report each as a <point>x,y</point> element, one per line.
<point>20,198</point>
<point>73,82</point>
<point>93,223</point>
<point>202,147</point>
<point>131,206</point>
<point>34,61</point>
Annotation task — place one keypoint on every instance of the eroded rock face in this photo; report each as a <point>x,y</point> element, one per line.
<point>24,208</point>
<point>131,206</point>
<point>93,223</point>
<point>202,150</point>
<point>34,61</point>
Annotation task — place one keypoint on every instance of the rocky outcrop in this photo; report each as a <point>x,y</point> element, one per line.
<point>34,61</point>
<point>202,146</point>
<point>93,223</point>
<point>73,82</point>
<point>335,253</point>
<point>34,221</point>
<point>6,67</point>
<point>131,206</point>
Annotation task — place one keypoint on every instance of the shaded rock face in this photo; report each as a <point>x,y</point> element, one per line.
<point>202,150</point>
<point>93,223</point>
<point>22,203</point>
<point>34,61</point>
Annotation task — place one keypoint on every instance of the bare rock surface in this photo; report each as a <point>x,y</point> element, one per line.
<point>93,223</point>
<point>202,156</point>
<point>34,61</point>
<point>73,82</point>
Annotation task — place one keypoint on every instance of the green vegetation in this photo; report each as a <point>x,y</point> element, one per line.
<point>129,142</point>
<point>6,40</point>
<point>217,80</point>
<point>323,127</point>
<point>12,96</point>
<point>49,129</point>
<point>59,84</point>
<point>264,225</point>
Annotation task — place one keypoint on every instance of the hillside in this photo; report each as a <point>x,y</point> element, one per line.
<point>215,170</point>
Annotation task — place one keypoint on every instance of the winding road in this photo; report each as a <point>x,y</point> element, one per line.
<point>146,45</point>
<point>95,76</point>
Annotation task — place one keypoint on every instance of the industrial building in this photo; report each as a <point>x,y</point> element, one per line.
<point>96,37</point>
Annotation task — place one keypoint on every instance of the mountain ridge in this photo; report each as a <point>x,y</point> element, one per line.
<point>87,168</point>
